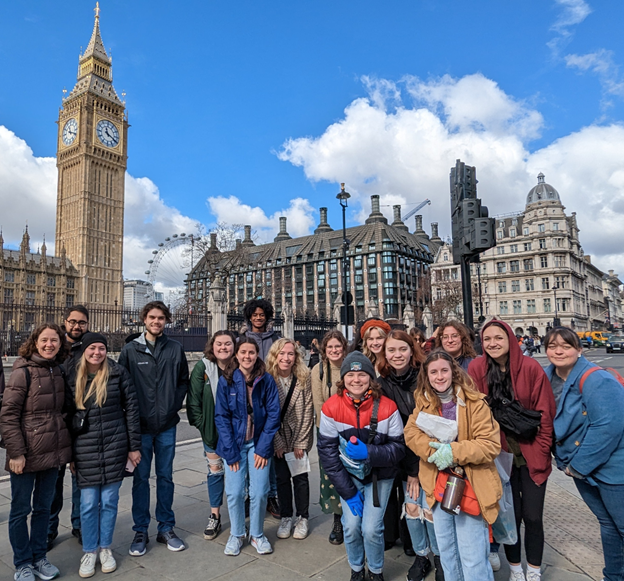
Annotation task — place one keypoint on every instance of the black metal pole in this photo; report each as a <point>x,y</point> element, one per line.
<point>345,266</point>
<point>467,291</point>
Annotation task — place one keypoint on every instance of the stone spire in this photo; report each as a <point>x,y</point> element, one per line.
<point>95,48</point>
<point>25,245</point>
<point>375,215</point>
<point>323,226</point>
<point>44,248</point>
<point>282,234</point>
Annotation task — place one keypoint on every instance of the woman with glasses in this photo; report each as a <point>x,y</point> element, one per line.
<point>325,375</point>
<point>454,338</point>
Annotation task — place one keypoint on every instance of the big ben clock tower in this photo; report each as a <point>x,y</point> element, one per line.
<point>91,160</point>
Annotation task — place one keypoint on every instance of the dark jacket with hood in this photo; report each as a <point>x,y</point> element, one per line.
<point>113,430</point>
<point>161,380</point>
<point>264,340</point>
<point>31,420</point>
<point>400,389</point>
<point>532,389</point>
<point>231,416</point>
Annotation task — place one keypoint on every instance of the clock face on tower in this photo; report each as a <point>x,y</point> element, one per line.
<point>70,130</point>
<point>107,133</point>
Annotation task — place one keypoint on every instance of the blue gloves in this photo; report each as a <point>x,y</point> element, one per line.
<point>356,504</point>
<point>443,457</point>
<point>357,451</point>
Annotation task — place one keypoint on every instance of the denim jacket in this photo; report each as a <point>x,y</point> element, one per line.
<point>589,430</point>
<point>231,416</point>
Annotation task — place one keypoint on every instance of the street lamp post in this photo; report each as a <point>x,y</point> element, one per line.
<point>342,197</point>
<point>556,321</point>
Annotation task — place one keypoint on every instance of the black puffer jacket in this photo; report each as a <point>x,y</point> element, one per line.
<point>101,453</point>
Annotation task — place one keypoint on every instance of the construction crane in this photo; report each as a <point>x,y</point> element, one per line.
<point>412,212</point>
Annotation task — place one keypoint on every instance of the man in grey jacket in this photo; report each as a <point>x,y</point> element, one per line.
<point>159,370</point>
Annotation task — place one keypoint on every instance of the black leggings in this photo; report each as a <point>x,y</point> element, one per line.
<point>301,485</point>
<point>528,500</point>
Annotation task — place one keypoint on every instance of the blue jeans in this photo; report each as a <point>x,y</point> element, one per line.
<point>162,447</point>
<point>57,503</point>
<point>420,529</point>
<point>364,536</point>
<point>272,482</point>
<point>258,493</point>
<point>464,542</point>
<point>216,479</point>
<point>98,514</point>
<point>30,491</point>
<point>605,501</point>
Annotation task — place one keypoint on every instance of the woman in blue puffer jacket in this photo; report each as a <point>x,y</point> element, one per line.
<point>589,435</point>
<point>247,416</point>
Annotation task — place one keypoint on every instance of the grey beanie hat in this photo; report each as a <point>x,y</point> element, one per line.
<point>357,361</point>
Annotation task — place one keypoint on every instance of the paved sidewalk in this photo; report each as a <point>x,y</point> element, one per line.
<point>572,553</point>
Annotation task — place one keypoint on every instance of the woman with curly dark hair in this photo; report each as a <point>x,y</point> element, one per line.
<point>37,444</point>
<point>454,337</point>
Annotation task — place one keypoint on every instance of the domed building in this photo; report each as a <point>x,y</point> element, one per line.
<point>537,275</point>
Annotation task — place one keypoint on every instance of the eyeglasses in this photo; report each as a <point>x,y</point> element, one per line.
<point>333,349</point>
<point>450,337</point>
<point>73,323</point>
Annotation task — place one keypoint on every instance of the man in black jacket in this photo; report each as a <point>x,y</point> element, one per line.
<point>159,370</point>
<point>76,325</point>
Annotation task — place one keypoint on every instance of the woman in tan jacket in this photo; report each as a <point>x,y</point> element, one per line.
<point>325,375</point>
<point>445,390</point>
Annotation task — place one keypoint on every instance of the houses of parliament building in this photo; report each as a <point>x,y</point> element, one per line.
<point>91,158</point>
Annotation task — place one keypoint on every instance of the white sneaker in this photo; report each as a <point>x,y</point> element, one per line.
<point>516,576</point>
<point>108,561</point>
<point>533,575</point>
<point>285,528</point>
<point>301,528</point>
<point>494,561</point>
<point>87,565</point>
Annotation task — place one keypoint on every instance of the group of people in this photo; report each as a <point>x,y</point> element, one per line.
<point>401,420</point>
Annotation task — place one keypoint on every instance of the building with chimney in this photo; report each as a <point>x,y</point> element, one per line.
<point>536,273</point>
<point>388,268</point>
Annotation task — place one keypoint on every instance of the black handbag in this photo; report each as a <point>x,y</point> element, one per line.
<point>80,423</point>
<point>515,420</point>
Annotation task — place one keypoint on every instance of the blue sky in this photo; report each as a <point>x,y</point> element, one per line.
<point>215,91</point>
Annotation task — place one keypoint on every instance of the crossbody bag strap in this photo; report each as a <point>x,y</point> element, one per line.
<point>288,398</point>
<point>585,376</point>
<point>372,432</point>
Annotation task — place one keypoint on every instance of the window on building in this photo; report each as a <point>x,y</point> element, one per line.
<point>8,296</point>
<point>544,261</point>
<point>515,286</point>
<point>501,224</point>
<point>503,309</point>
<point>71,283</point>
<point>517,307</point>
<point>389,288</point>
<point>30,299</point>
<point>51,298</point>
<point>560,260</point>
<point>387,258</point>
<point>527,246</point>
<point>512,232</point>
<point>372,260</point>
<point>531,306</point>
<point>501,267</point>
<point>542,243</point>
<point>372,277</point>
<point>371,246</point>
<point>454,274</point>
<point>525,231</point>
<point>513,248</point>
<point>9,276</point>
<point>555,226</point>
<point>388,273</point>
<point>446,258</point>
<point>545,283</point>
<point>502,287</point>
<point>547,307</point>
<point>499,234</point>
<point>51,281</point>
<point>32,279</point>
<point>561,281</point>
<point>528,264</point>
<point>69,300</point>
<point>563,305</point>
<point>529,284</point>
<point>514,266</point>
<point>541,228</point>
<point>500,250</point>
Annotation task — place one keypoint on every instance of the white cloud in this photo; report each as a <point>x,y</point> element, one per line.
<point>602,63</point>
<point>231,210</point>
<point>404,153</point>
<point>572,13</point>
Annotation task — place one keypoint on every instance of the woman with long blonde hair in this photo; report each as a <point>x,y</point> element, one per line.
<point>285,364</point>
<point>373,333</point>
<point>107,434</point>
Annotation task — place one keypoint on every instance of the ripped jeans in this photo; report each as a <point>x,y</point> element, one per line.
<point>216,478</point>
<point>420,523</point>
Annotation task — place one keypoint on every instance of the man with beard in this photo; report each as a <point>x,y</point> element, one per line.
<point>76,325</point>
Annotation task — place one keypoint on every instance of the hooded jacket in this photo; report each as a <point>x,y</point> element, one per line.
<point>201,398</point>
<point>476,447</point>
<point>231,416</point>
<point>113,430</point>
<point>340,417</point>
<point>264,339</point>
<point>588,426</point>
<point>532,389</point>
<point>31,420</point>
<point>161,380</point>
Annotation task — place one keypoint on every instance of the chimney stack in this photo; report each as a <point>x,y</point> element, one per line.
<point>283,234</point>
<point>323,226</point>
<point>238,243</point>
<point>419,227</point>
<point>247,241</point>
<point>375,215</point>
<point>434,232</point>
<point>398,223</point>
<point>213,241</point>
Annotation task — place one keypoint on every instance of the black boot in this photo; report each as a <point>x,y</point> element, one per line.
<point>375,576</point>
<point>439,572</point>
<point>358,575</point>
<point>418,571</point>
<point>336,537</point>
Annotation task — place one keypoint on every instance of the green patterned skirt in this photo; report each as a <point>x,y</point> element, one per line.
<point>330,499</point>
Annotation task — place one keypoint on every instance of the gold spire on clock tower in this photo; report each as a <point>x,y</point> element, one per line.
<point>91,161</point>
